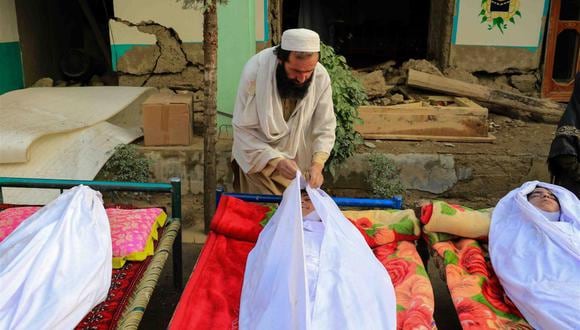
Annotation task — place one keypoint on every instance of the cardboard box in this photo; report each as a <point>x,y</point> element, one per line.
<point>167,119</point>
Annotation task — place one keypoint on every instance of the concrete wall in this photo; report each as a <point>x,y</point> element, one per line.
<point>517,46</point>
<point>10,57</point>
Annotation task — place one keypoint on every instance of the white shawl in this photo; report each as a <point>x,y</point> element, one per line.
<point>353,289</point>
<point>260,131</point>
<point>56,265</point>
<point>536,260</point>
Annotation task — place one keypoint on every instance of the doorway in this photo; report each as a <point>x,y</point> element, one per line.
<point>66,40</point>
<point>368,32</point>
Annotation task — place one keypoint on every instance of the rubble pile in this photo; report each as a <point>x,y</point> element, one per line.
<point>386,84</point>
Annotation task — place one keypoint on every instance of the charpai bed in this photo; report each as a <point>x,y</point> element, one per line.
<point>137,268</point>
<point>457,237</point>
<point>211,298</point>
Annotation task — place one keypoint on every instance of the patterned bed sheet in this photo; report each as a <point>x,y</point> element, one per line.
<point>477,295</point>
<point>109,313</point>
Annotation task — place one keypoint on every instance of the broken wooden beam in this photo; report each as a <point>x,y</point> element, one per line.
<point>547,110</point>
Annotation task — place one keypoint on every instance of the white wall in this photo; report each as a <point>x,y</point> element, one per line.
<point>8,25</point>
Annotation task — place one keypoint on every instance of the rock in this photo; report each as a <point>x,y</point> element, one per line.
<point>194,53</point>
<point>132,80</point>
<point>525,83</point>
<point>172,58</point>
<point>191,76</point>
<point>462,75</point>
<point>397,98</point>
<point>139,60</point>
<point>166,90</point>
<point>498,82</point>
<point>421,65</point>
<point>370,145</point>
<point>43,82</point>
<point>395,80</point>
<point>374,84</point>
<point>447,144</point>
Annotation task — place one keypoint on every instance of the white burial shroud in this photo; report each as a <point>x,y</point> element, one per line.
<point>537,260</point>
<point>56,265</point>
<point>353,290</point>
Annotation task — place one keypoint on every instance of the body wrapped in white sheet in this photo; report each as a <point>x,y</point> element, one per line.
<point>353,289</point>
<point>56,266</point>
<point>537,260</point>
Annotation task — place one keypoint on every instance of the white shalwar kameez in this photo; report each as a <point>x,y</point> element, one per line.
<point>261,133</point>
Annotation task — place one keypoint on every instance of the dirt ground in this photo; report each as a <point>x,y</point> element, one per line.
<point>513,137</point>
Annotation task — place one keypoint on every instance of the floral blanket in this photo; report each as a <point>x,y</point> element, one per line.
<point>479,299</point>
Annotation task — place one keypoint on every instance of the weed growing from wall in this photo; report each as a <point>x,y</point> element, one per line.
<point>383,178</point>
<point>126,164</point>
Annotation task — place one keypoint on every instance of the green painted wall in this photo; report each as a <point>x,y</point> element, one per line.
<point>11,77</point>
<point>236,44</point>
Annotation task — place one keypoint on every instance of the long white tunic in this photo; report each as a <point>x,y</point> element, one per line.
<point>260,131</point>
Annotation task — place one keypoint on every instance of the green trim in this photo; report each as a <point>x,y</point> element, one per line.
<point>266,25</point>
<point>11,67</point>
<point>237,43</point>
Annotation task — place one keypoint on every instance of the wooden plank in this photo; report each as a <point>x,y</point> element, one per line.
<point>370,109</point>
<point>548,110</point>
<point>473,139</point>
<point>429,121</point>
<point>463,101</point>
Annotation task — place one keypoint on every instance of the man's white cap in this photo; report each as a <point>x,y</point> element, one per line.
<point>300,40</point>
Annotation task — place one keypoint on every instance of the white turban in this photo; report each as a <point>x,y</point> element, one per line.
<point>301,40</point>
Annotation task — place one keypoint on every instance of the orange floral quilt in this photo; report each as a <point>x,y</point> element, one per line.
<point>479,299</point>
<point>413,290</point>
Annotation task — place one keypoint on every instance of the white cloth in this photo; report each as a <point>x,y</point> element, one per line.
<point>260,131</point>
<point>536,260</point>
<point>313,235</point>
<point>300,40</point>
<point>353,290</point>
<point>57,264</point>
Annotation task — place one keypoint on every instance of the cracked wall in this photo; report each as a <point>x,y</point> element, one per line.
<point>157,43</point>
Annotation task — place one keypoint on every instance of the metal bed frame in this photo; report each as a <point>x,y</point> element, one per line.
<point>174,188</point>
<point>390,203</point>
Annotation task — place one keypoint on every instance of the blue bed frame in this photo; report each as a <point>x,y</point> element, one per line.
<point>174,188</point>
<point>388,203</point>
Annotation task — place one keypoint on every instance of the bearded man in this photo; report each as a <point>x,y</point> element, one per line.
<point>284,117</point>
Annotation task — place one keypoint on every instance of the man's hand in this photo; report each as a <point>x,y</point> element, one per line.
<point>287,168</point>
<point>316,178</point>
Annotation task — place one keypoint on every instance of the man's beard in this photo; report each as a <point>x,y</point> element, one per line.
<point>288,88</point>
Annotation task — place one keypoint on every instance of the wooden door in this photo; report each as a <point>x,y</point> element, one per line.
<point>562,54</point>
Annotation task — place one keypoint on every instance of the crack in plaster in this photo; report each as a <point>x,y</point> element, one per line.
<point>171,36</point>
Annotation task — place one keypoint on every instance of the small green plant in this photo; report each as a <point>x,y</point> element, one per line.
<point>383,178</point>
<point>127,164</point>
<point>347,95</point>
